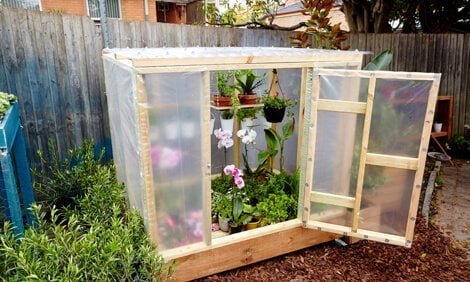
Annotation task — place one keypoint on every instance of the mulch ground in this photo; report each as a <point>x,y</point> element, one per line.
<point>432,257</point>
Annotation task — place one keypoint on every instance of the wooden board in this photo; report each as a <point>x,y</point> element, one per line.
<point>247,252</point>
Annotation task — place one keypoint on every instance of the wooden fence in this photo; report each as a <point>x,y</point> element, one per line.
<point>448,54</point>
<point>53,63</point>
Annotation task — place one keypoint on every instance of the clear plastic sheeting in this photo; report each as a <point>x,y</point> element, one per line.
<point>352,89</point>
<point>386,199</point>
<point>398,116</point>
<point>174,109</point>
<point>339,136</point>
<point>120,87</point>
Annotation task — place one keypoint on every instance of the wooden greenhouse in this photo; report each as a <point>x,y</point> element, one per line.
<point>359,143</point>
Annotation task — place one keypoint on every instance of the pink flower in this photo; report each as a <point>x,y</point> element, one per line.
<point>239,182</point>
<point>236,173</point>
<point>227,143</point>
<point>229,169</point>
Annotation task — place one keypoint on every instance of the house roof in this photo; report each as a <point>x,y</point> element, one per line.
<point>297,7</point>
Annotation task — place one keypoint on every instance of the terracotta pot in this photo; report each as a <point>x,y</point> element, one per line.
<point>221,101</point>
<point>274,115</point>
<point>248,99</point>
<point>252,224</point>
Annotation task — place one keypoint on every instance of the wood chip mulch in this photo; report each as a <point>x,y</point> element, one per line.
<point>433,257</point>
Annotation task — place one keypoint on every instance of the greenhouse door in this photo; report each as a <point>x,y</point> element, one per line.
<point>366,136</point>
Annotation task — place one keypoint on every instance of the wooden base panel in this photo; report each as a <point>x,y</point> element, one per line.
<point>247,252</point>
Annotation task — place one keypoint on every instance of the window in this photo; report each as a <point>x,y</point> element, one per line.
<point>113,8</point>
<point>25,4</point>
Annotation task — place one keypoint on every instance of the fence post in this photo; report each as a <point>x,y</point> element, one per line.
<point>104,24</point>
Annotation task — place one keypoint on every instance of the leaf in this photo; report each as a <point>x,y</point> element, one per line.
<point>272,141</point>
<point>288,129</point>
<point>237,207</point>
<point>381,61</point>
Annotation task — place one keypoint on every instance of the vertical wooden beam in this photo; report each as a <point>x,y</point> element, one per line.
<point>145,162</point>
<point>300,122</point>
<point>206,157</point>
<point>312,135</point>
<point>416,189</point>
<point>363,155</point>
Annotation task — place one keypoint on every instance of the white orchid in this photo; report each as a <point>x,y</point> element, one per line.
<point>225,138</point>
<point>248,136</point>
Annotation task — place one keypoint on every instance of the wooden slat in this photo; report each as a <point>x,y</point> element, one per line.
<point>427,127</point>
<point>206,157</point>
<point>145,161</point>
<point>392,161</point>
<point>303,89</point>
<point>332,199</point>
<point>364,234</point>
<point>363,154</point>
<point>311,131</point>
<point>341,106</point>
<point>247,252</point>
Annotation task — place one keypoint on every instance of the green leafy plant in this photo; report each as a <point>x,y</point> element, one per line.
<point>275,143</point>
<point>5,102</point>
<point>459,146</point>
<point>244,113</point>
<point>381,61</point>
<point>240,212</point>
<point>248,81</point>
<point>277,102</point>
<point>276,208</point>
<point>228,114</point>
<point>224,205</point>
<point>223,80</point>
<point>95,239</point>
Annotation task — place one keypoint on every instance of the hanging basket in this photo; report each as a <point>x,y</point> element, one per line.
<point>274,115</point>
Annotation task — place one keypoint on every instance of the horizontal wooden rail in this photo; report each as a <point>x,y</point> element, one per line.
<point>341,106</point>
<point>392,161</point>
<point>332,199</point>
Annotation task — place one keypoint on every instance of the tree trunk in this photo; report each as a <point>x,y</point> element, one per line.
<point>357,13</point>
<point>381,13</point>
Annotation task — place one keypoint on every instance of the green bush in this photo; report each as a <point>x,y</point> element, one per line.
<point>276,208</point>
<point>94,239</point>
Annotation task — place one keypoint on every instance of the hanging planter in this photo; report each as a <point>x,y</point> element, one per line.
<point>274,115</point>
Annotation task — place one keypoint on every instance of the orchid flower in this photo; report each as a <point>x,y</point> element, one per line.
<point>236,174</point>
<point>248,136</point>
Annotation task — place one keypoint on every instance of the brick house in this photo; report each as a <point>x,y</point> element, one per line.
<point>170,11</point>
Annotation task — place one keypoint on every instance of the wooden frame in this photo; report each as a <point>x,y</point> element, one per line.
<point>365,157</point>
<point>207,257</point>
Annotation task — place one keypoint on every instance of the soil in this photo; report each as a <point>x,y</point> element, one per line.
<point>434,255</point>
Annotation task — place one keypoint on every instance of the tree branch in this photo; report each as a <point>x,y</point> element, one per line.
<point>256,24</point>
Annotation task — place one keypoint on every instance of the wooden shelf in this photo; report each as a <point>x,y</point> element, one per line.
<point>223,108</point>
<point>439,134</point>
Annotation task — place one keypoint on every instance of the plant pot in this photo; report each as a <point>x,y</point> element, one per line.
<point>221,101</point>
<point>235,229</point>
<point>274,115</point>
<point>188,129</point>
<point>437,127</point>
<point>253,224</point>
<point>227,124</point>
<point>248,99</point>
<point>247,123</point>
<point>223,224</point>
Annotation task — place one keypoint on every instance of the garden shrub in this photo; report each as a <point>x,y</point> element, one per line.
<point>94,239</point>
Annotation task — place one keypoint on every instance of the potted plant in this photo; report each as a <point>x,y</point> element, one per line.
<point>240,216</point>
<point>224,209</point>
<point>247,82</point>
<point>225,91</point>
<point>438,124</point>
<point>226,120</point>
<point>246,117</point>
<point>255,220</point>
<point>275,107</point>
